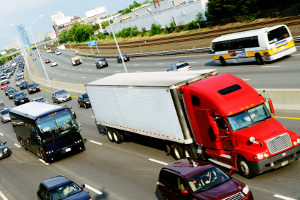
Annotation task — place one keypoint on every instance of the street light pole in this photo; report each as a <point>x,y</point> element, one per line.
<point>39,55</point>
<point>119,50</point>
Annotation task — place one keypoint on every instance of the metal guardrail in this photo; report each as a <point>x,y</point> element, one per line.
<point>297,38</point>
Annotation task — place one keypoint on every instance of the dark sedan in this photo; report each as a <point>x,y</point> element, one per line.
<point>23,85</point>
<point>101,63</point>
<point>11,93</point>
<point>4,151</point>
<point>33,87</point>
<point>125,58</point>
<point>83,100</point>
<point>59,188</point>
<point>20,98</point>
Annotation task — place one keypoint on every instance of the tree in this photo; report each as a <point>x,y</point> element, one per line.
<point>104,24</point>
<point>132,6</point>
<point>47,39</point>
<point>95,27</point>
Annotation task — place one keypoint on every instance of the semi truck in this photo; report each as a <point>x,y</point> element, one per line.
<point>198,114</point>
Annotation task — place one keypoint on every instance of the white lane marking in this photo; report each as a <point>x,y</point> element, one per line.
<point>117,71</point>
<point>17,145</point>
<point>192,62</point>
<point>157,161</point>
<point>283,197</point>
<point>92,141</point>
<point>42,161</point>
<point>93,189</point>
<point>160,63</point>
<point>93,117</point>
<point>89,70</point>
<point>1,134</point>
<point>139,71</point>
<point>246,79</point>
<point>297,54</point>
<point>80,69</point>
<point>2,196</point>
<point>137,64</point>
<point>271,66</point>
<point>83,77</point>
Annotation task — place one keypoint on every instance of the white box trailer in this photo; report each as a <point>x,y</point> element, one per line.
<point>143,103</point>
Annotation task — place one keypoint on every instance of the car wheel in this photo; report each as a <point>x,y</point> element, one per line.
<point>244,168</point>
<point>109,133</point>
<point>85,106</point>
<point>177,151</point>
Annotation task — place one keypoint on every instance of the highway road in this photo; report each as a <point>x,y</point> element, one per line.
<point>130,170</point>
<point>283,73</point>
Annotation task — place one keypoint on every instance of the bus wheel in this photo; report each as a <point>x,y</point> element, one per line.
<point>110,136</point>
<point>177,151</point>
<point>244,168</point>
<point>222,61</point>
<point>259,59</point>
<point>118,136</point>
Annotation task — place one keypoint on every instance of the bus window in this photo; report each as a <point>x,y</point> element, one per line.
<point>278,34</point>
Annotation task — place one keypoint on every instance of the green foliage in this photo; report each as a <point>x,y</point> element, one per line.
<point>128,32</point>
<point>3,59</point>
<point>94,37</point>
<point>78,33</point>
<point>95,27</point>
<point>155,29</point>
<point>101,36</point>
<point>192,25</point>
<point>47,39</point>
<point>132,6</point>
<point>172,27</point>
<point>143,32</point>
<point>134,31</point>
<point>104,24</point>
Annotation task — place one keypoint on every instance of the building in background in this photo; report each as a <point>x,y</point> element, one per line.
<point>23,35</point>
<point>63,23</point>
<point>93,16</point>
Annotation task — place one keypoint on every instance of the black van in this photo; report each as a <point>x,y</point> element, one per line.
<point>46,130</point>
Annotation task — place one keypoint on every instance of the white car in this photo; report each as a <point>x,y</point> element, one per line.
<point>53,63</point>
<point>58,53</point>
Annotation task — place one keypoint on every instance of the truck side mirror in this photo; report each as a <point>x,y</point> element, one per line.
<point>214,125</point>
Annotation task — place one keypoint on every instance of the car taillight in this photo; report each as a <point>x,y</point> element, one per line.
<point>190,67</point>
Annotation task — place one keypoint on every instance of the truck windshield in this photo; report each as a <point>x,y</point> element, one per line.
<point>55,126</point>
<point>248,118</point>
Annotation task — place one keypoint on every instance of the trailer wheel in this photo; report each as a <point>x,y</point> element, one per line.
<point>118,136</point>
<point>110,135</point>
<point>177,151</point>
<point>244,168</point>
<point>259,59</point>
<point>22,143</point>
<point>190,151</point>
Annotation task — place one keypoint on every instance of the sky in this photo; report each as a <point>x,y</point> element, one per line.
<point>27,12</point>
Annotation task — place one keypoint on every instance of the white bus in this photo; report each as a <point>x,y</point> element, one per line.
<point>260,45</point>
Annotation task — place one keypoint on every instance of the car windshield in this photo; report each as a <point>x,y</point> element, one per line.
<point>207,180</point>
<point>85,96</point>
<point>65,191</point>
<point>60,92</point>
<point>12,91</point>
<point>5,112</point>
<point>39,100</point>
<point>56,125</point>
<point>182,65</point>
<point>3,83</point>
<point>19,95</point>
<point>31,85</point>
<point>249,117</point>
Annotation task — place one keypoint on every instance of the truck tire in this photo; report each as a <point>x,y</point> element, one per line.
<point>42,154</point>
<point>110,136</point>
<point>118,136</point>
<point>23,144</point>
<point>244,168</point>
<point>177,151</point>
<point>259,59</point>
<point>190,151</point>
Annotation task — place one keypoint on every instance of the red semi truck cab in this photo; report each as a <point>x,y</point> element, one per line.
<point>233,128</point>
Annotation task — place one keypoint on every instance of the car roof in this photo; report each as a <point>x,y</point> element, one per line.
<point>188,167</point>
<point>56,182</point>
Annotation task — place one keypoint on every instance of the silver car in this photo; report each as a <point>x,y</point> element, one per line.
<point>5,115</point>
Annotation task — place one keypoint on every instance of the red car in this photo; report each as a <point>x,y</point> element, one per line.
<point>3,86</point>
<point>189,179</point>
<point>47,61</point>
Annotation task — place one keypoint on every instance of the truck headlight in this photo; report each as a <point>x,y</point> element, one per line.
<point>258,156</point>
<point>246,189</point>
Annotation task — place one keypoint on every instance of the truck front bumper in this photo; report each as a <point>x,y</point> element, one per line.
<point>276,161</point>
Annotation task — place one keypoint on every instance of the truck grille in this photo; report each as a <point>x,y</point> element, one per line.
<point>237,196</point>
<point>279,143</point>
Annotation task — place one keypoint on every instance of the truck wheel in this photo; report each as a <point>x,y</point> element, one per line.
<point>177,151</point>
<point>23,144</point>
<point>190,151</point>
<point>43,156</point>
<point>110,135</point>
<point>244,168</point>
<point>259,59</point>
<point>118,136</point>
<point>222,61</point>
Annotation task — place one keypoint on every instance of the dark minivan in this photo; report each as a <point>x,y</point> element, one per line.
<point>47,130</point>
<point>189,179</point>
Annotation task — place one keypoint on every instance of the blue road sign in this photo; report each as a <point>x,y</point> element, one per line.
<point>91,43</point>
